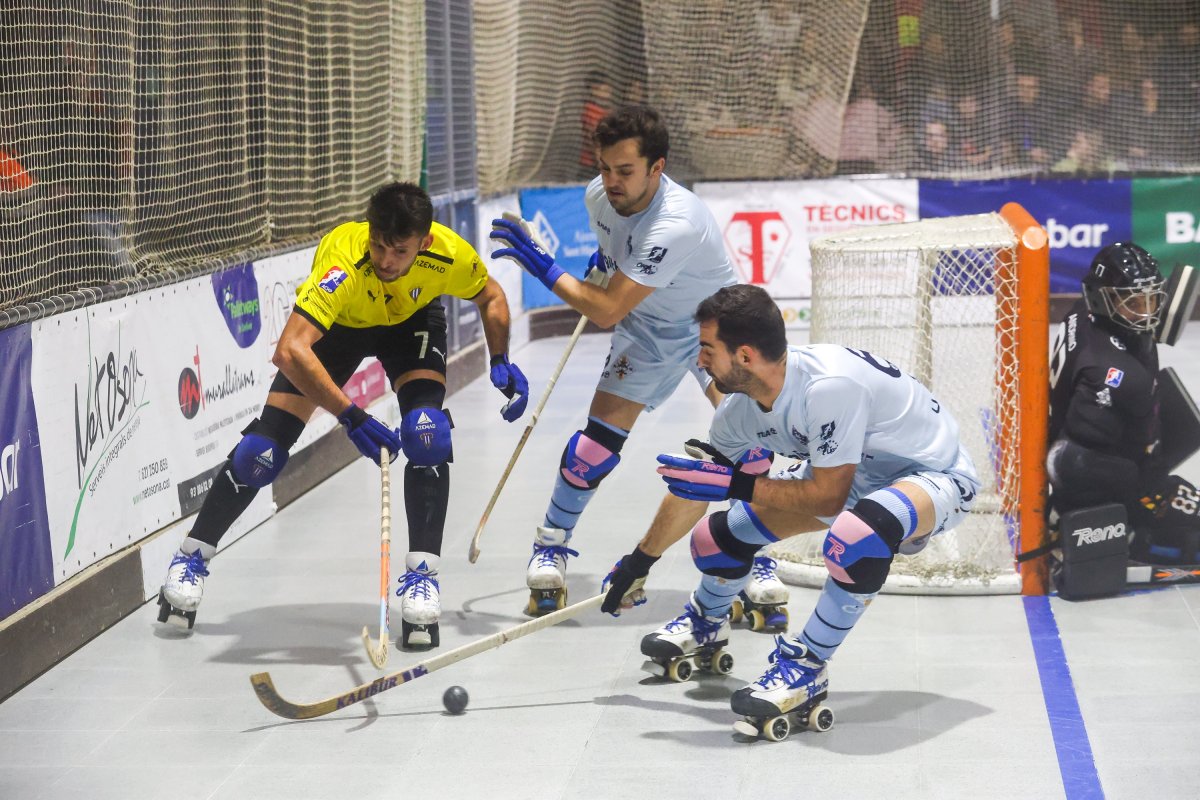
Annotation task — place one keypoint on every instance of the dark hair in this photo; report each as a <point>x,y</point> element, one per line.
<point>635,122</point>
<point>399,211</point>
<point>746,314</point>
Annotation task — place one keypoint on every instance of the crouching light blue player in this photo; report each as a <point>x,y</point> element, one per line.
<point>882,471</point>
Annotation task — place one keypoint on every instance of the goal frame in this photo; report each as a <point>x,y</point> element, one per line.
<point>1018,285</point>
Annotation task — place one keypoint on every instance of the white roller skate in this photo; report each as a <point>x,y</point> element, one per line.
<point>547,572</point>
<point>690,641</point>
<point>763,603</point>
<point>420,602</point>
<point>183,588</point>
<point>788,694</point>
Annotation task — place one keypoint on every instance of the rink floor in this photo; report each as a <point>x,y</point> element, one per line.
<point>935,697</point>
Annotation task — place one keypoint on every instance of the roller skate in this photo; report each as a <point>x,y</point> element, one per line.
<point>788,695</point>
<point>763,603</point>
<point>547,573</point>
<point>690,641</point>
<point>183,588</point>
<point>420,602</point>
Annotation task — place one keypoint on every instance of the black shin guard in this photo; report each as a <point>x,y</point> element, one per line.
<point>229,497</point>
<point>224,503</point>
<point>426,495</point>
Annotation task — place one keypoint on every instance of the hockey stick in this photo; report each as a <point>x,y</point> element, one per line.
<point>473,553</point>
<point>265,688</point>
<point>597,277</point>
<point>379,653</point>
<point>1156,573</point>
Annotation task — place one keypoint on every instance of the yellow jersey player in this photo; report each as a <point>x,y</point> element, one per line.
<point>374,291</point>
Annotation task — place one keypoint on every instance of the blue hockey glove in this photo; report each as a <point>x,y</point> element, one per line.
<point>595,262</point>
<point>522,249</point>
<point>623,585</point>
<point>511,381</point>
<point>703,480</point>
<point>369,434</point>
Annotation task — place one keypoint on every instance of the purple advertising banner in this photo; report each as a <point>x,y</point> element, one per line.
<point>1079,216</point>
<point>26,564</point>
<point>236,291</point>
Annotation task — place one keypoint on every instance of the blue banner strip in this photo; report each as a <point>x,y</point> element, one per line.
<point>1075,761</point>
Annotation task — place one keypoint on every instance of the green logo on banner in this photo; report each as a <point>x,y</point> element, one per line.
<point>1166,219</point>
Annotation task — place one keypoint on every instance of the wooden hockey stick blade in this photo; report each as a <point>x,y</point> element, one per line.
<point>264,687</point>
<point>377,653</point>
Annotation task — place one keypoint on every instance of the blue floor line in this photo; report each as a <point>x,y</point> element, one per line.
<point>1071,743</point>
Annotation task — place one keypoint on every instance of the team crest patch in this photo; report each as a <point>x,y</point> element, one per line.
<point>1117,343</point>
<point>1104,398</point>
<point>414,293</point>
<point>332,279</point>
<point>622,367</point>
<point>1114,377</point>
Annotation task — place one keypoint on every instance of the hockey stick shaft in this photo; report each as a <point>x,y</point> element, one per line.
<point>1149,573</point>
<point>473,553</point>
<point>264,687</point>
<point>378,653</point>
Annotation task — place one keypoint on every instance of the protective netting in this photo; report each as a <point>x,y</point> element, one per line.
<point>787,89</point>
<point>142,138</point>
<point>938,298</point>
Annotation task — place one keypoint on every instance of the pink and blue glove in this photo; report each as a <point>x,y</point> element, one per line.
<point>705,481</point>
<point>512,383</point>
<point>525,251</point>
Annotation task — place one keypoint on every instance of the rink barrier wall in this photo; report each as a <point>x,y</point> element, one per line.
<point>47,630</point>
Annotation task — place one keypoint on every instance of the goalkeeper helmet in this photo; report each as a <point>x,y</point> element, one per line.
<point>1124,285</point>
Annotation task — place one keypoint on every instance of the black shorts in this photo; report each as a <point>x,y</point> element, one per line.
<point>417,343</point>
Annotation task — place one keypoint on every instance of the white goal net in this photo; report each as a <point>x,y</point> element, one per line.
<point>939,298</point>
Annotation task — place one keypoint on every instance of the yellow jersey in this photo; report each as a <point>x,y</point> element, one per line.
<point>343,289</point>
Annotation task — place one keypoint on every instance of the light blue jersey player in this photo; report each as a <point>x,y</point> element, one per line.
<point>882,471</point>
<point>664,253</point>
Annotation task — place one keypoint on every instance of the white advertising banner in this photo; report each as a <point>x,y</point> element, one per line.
<point>148,394</point>
<point>768,227</point>
<point>502,270</point>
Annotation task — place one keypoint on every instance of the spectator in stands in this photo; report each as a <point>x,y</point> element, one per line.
<point>1086,154</point>
<point>1147,135</point>
<point>934,147</point>
<point>1096,105</point>
<point>968,133</point>
<point>1030,140</point>
<point>1179,81</point>
<point>869,133</point>
<point>596,105</point>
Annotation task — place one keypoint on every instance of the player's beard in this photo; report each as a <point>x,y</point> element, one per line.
<point>737,381</point>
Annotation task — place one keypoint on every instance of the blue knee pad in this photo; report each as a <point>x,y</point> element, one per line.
<point>257,460</point>
<point>591,454</point>
<point>724,544</point>
<point>426,437</point>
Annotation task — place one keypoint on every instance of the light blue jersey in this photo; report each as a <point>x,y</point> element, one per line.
<point>675,246</point>
<point>843,406</point>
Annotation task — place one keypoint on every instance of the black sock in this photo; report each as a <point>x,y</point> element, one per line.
<point>224,503</point>
<point>426,494</point>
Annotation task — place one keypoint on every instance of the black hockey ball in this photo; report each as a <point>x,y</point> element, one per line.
<point>455,699</point>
